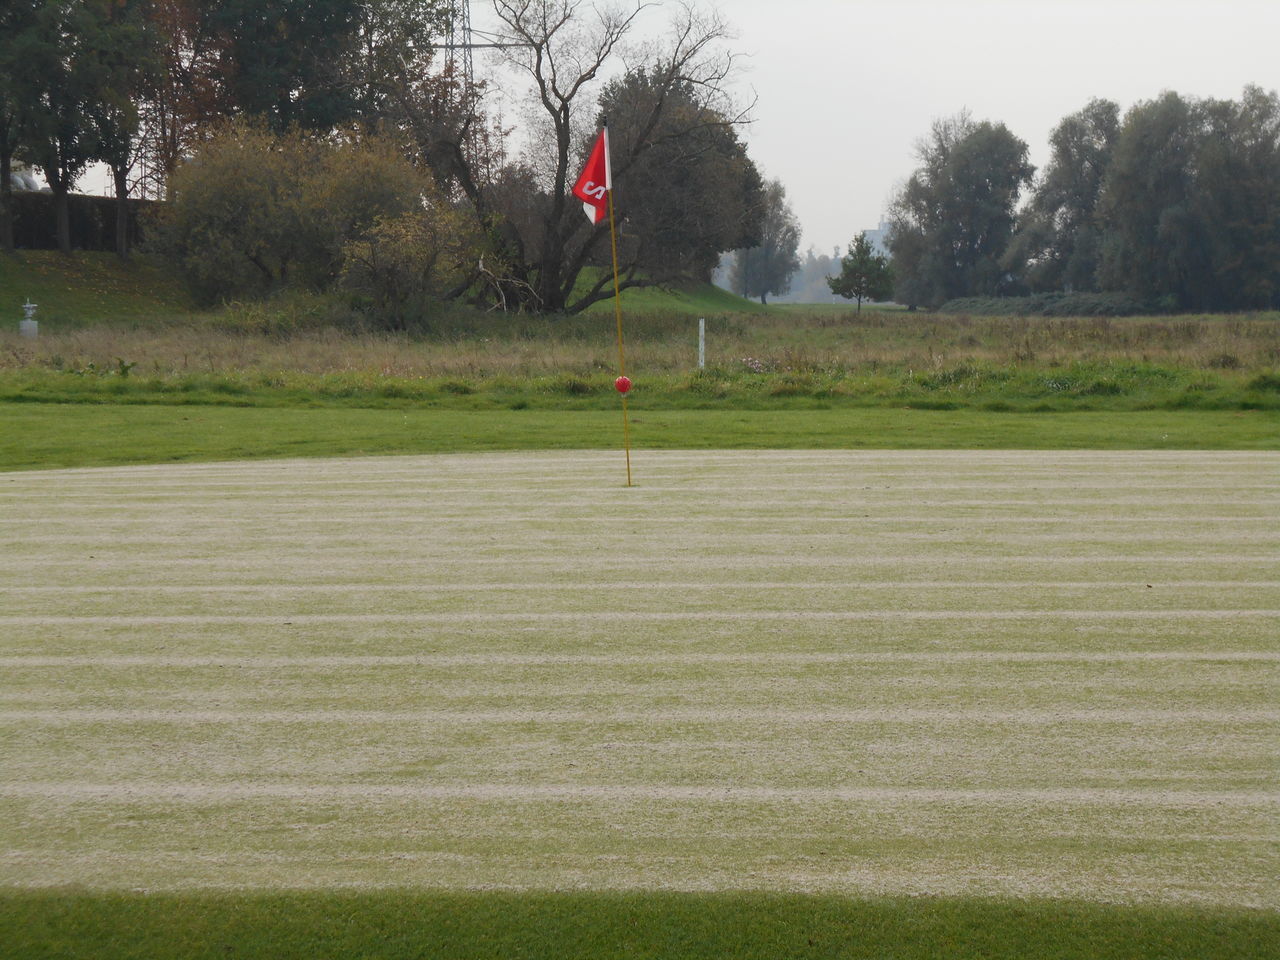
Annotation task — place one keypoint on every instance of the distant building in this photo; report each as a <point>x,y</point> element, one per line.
<point>878,238</point>
<point>22,177</point>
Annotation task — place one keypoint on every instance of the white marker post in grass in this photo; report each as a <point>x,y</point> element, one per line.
<point>702,343</point>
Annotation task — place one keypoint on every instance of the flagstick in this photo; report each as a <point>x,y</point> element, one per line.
<point>622,359</point>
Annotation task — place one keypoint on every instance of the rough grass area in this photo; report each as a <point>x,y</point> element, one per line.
<point>544,926</point>
<point>1031,676</point>
<point>250,356</point>
<point>256,339</point>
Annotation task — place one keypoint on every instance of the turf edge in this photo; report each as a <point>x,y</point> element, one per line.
<point>458,925</point>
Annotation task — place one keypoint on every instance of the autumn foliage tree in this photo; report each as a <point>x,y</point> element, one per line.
<point>317,214</point>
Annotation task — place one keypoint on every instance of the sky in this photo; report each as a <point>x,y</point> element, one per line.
<point>846,89</point>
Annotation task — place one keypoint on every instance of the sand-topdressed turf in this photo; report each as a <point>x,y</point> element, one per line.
<point>1011,674</point>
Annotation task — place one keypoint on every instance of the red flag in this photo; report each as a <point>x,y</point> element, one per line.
<point>596,180</point>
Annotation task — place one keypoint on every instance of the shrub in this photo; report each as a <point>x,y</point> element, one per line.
<point>404,262</point>
<point>253,212</point>
<point>1051,305</point>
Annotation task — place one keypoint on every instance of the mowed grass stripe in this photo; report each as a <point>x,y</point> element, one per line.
<point>842,846</point>
<point>649,715</point>
<point>443,660</point>
<point>695,531</point>
<point>725,755</point>
<point>633,616</point>
<point>827,724</point>
<point>692,464</point>
<point>654,689</point>
<point>553,586</point>
<point>839,501</point>
<point>120,571</point>
<point>649,602</point>
<point>577,793</point>
<point>583,635</point>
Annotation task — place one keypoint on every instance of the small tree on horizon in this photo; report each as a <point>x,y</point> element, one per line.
<point>864,274</point>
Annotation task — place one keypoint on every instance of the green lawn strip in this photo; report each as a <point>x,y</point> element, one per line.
<point>599,926</point>
<point>72,435</point>
<point>1105,385</point>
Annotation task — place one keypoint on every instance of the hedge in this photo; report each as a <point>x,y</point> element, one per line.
<point>1053,305</point>
<point>93,221</point>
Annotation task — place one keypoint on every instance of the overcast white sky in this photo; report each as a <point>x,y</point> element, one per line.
<point>847,87</point>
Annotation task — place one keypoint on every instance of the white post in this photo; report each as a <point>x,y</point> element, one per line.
<point>702,343</point>
<point>28,326</point>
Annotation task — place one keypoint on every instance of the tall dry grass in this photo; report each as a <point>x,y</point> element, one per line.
<point>492,346</point>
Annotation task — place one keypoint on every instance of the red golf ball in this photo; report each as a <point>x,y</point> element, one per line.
<point>622,384</point>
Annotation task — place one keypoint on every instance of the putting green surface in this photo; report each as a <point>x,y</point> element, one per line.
<point>1049,674</point>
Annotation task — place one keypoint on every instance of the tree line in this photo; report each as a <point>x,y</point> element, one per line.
<point>1176,204</point>
<point>352,121</point>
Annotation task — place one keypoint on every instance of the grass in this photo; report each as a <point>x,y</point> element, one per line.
<point>848,704</point>
<point>85,289</point>
<point>42,435</point>
<point>571,926</point>
<point>252,339</point>
<point>854,704</point>
<point>306,351</point>
<point>694,300</point>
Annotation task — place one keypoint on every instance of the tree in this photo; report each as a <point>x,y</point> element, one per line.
<point>1152,247</point>
<point>1237,199</point>
<point>85,61</point>
<point>16,20</point>
<point>282,60</point>
<point>768,267</point>
<point>1191,203</point>
<point>290,62</point>
<point>809,285</point>
<point>541,241</point>
<point>187,94</point>
<point>391,41</point>
<point>127,60</point>
<point>1058,238</point>
<point>864,274</point>
<point>58,127</point>
<point>688,190</point>
<point>951,222</point>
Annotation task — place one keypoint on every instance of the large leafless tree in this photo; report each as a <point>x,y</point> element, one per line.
<point>566,49</point>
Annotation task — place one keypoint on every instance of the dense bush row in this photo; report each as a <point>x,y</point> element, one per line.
<point>93,221</point>
<point>1052,305</point>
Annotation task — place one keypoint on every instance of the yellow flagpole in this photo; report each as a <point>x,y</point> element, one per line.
<point>622,359</point>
